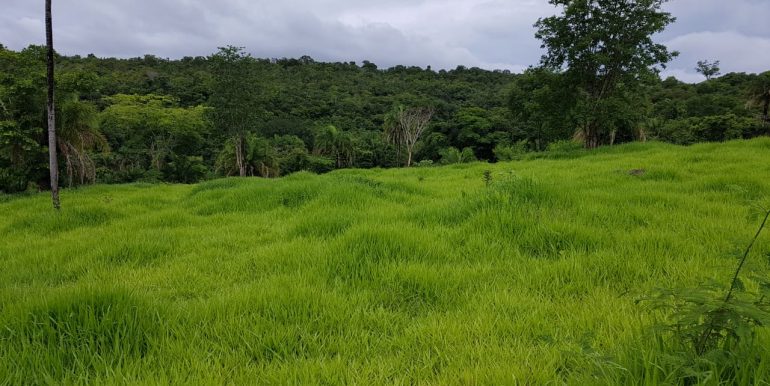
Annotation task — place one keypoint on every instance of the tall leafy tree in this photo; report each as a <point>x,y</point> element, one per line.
<point>53,161</point>
<point>234,98</point>
<point>605,48</point>
<point>23,157</point>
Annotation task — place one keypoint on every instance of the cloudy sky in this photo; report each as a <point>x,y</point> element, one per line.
<point>492,34</point>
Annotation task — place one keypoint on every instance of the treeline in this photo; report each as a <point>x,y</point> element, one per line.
<point>153,119</point>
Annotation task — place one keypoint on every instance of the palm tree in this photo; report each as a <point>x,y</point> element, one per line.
<point>78,135</point>
<point>53,162</point>
<point>259,158</point>
<point>392,130</point>
<point>330,141</point>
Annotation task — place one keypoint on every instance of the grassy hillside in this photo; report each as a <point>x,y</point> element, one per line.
<point>382,276</point>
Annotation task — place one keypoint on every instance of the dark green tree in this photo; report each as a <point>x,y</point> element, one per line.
<point>605,49</point>
<point>234,98</point>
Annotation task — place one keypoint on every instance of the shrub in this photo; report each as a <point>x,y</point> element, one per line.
<point>452,155</point>
<point>512,152</point>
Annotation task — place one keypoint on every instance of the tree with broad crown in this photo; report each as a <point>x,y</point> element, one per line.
<point>605,49</point>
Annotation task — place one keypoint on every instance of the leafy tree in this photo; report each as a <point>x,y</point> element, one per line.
<point>147,132</point>
<point>23,160</point>
<point>234,99</point>
<point>185,169</point>
<point>605,48</point>
<point>540,101</point>
<point>708,69</point>
<point>293,156</point>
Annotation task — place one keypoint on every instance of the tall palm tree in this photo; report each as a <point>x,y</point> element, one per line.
<point>53,162</point>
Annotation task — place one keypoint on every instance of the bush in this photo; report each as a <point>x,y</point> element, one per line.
<point>185,169</point>
<point>452,155</point>
<point>710,128</point>
<point>512,152</point>
<point>564,147</point>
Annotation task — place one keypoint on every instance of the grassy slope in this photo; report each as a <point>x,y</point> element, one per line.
<point>374,276</point>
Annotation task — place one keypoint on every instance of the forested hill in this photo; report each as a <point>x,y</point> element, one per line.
<point>123,120</point>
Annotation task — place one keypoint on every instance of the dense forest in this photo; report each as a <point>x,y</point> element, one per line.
<point>154,119</point>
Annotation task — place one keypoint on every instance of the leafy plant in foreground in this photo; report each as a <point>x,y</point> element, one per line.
<point>716,330</point>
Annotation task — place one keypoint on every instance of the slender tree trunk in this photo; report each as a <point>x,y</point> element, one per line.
<point>409,159</point>
<point>239,159</point>
<point>53,161</point>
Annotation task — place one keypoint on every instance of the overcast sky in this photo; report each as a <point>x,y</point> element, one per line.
<point>492,34</point>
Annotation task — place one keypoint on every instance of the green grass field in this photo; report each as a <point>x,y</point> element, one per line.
<point>423,276</point>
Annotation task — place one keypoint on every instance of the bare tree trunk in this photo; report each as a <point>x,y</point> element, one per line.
<point>239,158</point>
<point>53,161</point>
<point>591,136</point>
<point>409,159</point>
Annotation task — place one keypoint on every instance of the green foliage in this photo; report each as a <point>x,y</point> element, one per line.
<point>147,132</point>
<point>540,101</point>
<point>606,50</point>
<point>564,148</point>
<point>759,95</point>
<point>153,111</point>
<point>513,152</point>
<point>709,128</point>
<point>22,102</point>
<point>452,155</point>
<point>716,331</point>
<point>185,169</point>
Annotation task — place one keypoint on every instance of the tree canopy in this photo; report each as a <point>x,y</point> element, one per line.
<point>606,50</point>
<point>154,119</point>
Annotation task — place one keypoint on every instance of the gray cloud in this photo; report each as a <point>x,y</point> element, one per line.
<point>441,33</point>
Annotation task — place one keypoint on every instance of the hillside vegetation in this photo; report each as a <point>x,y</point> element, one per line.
<point>150,119</point>
<point>429,275</point>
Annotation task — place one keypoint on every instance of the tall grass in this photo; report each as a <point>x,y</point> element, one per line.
<point>425,275</point>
